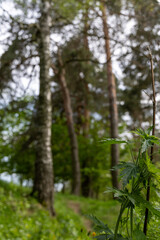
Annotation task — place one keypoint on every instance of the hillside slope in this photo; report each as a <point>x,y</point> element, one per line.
<point>22,218</point>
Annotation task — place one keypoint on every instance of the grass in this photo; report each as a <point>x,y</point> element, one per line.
<point>105,210</point>
<point>22,218</point>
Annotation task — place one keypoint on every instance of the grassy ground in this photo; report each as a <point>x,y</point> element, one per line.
<point>106,211</point>
<point>22,218</point>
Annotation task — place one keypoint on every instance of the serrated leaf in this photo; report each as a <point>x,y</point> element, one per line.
<point>100,226</point>
<point>139,132</point>
<point>149,169</point>
<point>94,219</point>
<point>122,195</point>
<point>148,139</point>
<point>142,203</point>
<point>130,170</point>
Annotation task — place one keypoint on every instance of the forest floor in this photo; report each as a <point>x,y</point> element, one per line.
<point>76,207</point>
<point>22,218</point>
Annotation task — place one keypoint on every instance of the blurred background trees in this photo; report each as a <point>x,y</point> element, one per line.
<point>99,69</point>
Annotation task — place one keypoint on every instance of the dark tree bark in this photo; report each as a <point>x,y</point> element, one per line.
<point>43,184</point>
<point>76,184</point>
<point>112,98</point>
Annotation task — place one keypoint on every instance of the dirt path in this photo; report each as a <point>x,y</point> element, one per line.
<point>75,206</point>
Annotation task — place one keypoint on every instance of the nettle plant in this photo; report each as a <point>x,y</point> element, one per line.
<point>138,176</point>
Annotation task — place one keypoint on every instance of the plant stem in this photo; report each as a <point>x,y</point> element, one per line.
<point>152,147</point>
<point>118,221</point>
<point>127,223</point>
<point>131,222</point>
<point>123,206</point>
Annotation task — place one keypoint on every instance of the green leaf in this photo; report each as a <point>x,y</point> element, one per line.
<point>138,235</point>
<point>100,226</point>
<point>149,130</point>
<point>142,203</point>
<point>148,139</point>
<point>123,195</point>
<point>157,191</point>
<point>148,169</point>
<point>139,132</point>
<point>103,229</point>
<point>130,170</point>
<point>101,237</point>
<point>145,145</point>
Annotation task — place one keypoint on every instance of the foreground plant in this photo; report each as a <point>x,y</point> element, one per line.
<point>135,176</point>
<point>138,176</point>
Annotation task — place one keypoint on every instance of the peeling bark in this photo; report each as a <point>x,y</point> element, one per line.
<point>112,98</point>
<point>43,184</point>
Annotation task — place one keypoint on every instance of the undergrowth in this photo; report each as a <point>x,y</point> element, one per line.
<point>137,175</point>
<point>22,218</point>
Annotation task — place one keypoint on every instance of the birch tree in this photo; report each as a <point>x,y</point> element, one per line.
<point>43,183</point>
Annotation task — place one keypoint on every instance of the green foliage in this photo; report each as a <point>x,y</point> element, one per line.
<point>66,9</point>
<point>92,155</point>
<point>135,176</point>
<point>23,218</point>
<point>61,151</point>
<point>129,171</point>
<point>17,151</point>
<point>101,227</point>
<point>94,206</point>
<point>14,52</point>
<point>136,68</point>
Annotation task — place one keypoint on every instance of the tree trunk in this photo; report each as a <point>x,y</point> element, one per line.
<point>43,184</point>
<point>86,180</point>
<point>86,107</point>
<point>112,99</point>
<point>76,184</point>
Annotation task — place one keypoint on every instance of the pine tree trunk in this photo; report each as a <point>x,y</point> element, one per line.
<point>43,184</point>
<point>76,183</point>
<point>112,99</point>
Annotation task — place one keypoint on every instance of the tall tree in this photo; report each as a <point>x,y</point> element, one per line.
<point>87,53</point>
<point>86,180</point>
<point>76,182</point>
<point>112,97</point>
<point>43,183</point>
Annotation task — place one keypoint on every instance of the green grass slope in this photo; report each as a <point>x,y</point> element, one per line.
<point>22,218</point>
